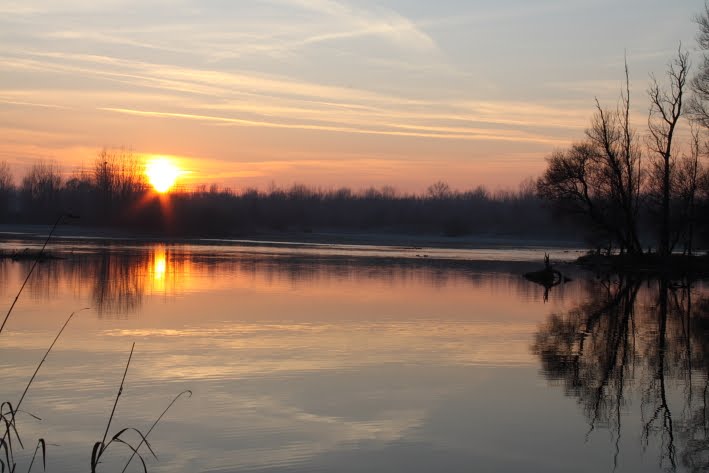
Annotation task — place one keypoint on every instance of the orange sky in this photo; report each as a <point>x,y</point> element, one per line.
<point>323,92</point>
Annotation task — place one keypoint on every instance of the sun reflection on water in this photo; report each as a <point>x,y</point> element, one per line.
<point>159,268</point>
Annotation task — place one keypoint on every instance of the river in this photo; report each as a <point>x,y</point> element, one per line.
<point>306,358</point>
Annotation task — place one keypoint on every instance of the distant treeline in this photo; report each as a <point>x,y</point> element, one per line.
<point>115,193</point>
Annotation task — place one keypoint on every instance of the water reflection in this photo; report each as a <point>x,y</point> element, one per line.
<point>347,363</point>
<point>159,266</point>
<point>644,341</point>
<point>117,278</point>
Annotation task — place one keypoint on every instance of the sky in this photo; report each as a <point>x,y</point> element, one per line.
<point>326,93</point>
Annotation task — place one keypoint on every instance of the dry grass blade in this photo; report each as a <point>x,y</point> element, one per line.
<point>44,358</point>
<point>95,455</point>
<point>188,392</point>
<point>8,414</point>
<point>6,405</point>
<point>143,439</point>
<point>118,395</point>
<point>100,447</point>
<point>10,465</point>
<point>135,452</point>
<point>40,443</point>
<point>10,425</point>
<point>7,437</point>
<point>20,411</point>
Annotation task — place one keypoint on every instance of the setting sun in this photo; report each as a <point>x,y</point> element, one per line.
<point>162,174</point>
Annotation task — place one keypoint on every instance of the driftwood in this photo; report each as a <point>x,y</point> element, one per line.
<point>547,277</point>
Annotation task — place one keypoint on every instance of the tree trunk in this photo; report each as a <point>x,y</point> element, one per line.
<point>665,227</point>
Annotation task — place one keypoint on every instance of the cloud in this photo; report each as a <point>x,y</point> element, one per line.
<point>224,32</point>
<point>395,129</point>
<point>30,104</point>
<point>278,102</point>
<point>350,22</point>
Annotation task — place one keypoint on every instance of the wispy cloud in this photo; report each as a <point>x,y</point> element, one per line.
<point>275,102</point>
<point>351,22</point>
<point>31,104</point>
<point>450,133</point>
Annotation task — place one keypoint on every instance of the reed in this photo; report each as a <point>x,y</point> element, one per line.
<point>9,412</point>
<point>43,444</point>
<point>11,436</point>
<point>174,400</point>
<point>100,448</point>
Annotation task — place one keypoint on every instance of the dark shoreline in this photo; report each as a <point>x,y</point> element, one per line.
<point>652,265</point>
<point>483,241</point>
<point>643,266</point>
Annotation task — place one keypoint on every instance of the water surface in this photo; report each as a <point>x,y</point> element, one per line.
<point>307,358</point>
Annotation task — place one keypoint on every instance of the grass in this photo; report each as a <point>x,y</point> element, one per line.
<point>101,447</point>
<point>8,415</point>
<point>11,439</point>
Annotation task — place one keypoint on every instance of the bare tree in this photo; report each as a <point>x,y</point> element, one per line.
<point>439,190</point>
<point>118,178</point>
<point>699,103</point>
<point>118,173</point>
<point>665,113</point>
<point>687,179</point>
<point>41,189</point>
<point>600,178</point>
<point>6,180</point>
<point>43,181</point>
<point>7,188</point>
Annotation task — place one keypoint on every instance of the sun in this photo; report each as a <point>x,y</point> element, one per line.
<point>162,174</point>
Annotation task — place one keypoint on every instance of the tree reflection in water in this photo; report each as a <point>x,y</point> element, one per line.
<point>651,336</point>
<point>116,279</point>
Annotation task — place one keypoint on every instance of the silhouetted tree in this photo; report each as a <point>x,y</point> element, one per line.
<point>602,181</point>
<point>599,179</point>
<point>699,103</point>
<point>439,190</point>
<point>7,190</point>
<point>118,179</point>
<point>40,189</point>
<point>689,190</point>
<point>666,109</point>
<point>79,196</point>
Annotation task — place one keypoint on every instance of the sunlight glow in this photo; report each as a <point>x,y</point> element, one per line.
<point>159,265</point>
<point>159,269</point>
<point>162,174</point>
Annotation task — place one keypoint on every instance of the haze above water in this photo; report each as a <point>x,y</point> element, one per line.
<point>308,358</point>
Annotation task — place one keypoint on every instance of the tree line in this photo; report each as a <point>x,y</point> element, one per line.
<point>114,192</point>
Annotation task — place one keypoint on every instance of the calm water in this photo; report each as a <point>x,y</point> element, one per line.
<point>306,358</point>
